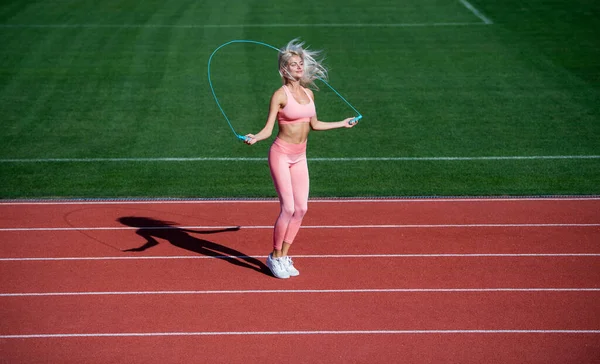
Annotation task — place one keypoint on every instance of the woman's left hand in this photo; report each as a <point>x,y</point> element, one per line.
<point>349,124</point>
<point>250,139</point>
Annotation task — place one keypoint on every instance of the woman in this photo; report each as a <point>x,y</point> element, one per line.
<point>293,107</point>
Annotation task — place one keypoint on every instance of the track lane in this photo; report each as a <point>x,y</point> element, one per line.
<point>257,242</point>
<point>316,273</point>
<point>371,311</point>
<point>244,213</point>
<point>296,349</point>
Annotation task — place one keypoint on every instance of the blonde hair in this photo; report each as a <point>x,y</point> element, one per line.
<point>313,68</point>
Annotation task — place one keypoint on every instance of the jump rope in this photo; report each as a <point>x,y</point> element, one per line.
<point>242,137</point>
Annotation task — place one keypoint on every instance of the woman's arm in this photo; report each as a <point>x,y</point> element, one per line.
<point>277,100</point>
<point>324,125</point>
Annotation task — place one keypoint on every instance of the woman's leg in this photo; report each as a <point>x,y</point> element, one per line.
<point>282,179</point>
<point>300,188</point>
<point>300,184</point>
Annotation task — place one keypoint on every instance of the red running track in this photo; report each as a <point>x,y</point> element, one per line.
<point>416,281</point>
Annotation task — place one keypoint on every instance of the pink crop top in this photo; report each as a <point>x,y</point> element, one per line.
<point>294,112</point>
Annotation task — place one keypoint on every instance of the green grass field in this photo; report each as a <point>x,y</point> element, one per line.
<point>501,98</point>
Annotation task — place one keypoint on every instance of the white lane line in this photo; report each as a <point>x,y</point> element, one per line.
<point>225,26</point>
<point>477,13</point>
<point>312,159</point>
<point>341,256</point>
<point>390,290</point>
<point>320,332</point>
<point>334,200</point>
<point>259,227</point>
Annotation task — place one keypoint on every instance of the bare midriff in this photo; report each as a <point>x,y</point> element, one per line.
<point>294,133</point>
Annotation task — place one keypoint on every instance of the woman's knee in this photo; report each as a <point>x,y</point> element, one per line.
<point>287,211</point>
<point>300,211</point>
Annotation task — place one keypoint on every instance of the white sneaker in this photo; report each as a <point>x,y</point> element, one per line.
<point>289,266</point>
<point>277,267</point>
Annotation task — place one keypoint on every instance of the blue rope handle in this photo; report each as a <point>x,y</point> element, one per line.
<point>212,89</point>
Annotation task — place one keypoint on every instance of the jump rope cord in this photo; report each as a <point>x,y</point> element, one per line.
<point>212,89</point>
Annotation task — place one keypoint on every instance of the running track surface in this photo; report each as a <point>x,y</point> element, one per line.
<point>402,281</point>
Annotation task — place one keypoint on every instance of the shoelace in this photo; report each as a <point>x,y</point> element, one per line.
<point>289,261</point>
<point>281,263</point>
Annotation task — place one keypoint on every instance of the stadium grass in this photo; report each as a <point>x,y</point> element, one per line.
<point>525,86</point>
<point>432,178</point>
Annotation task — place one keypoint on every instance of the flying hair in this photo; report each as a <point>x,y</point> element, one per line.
<point>313,67</point>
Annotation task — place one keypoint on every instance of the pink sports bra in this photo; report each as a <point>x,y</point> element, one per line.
<point>294,112</point>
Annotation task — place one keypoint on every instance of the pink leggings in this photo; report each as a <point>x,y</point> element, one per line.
<point>289,171</point>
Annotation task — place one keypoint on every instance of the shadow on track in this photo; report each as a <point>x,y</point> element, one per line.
<point>151,229</point>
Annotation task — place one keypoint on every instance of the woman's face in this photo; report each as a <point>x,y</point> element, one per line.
<point>295,67</point>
